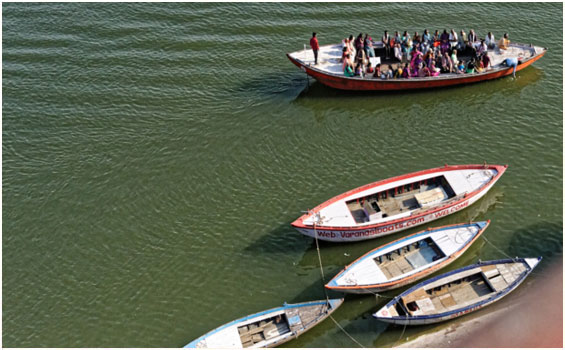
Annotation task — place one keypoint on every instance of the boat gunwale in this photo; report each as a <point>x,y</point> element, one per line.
<point>429,270</point>
<point>476,305</point>
<point>299,223</point>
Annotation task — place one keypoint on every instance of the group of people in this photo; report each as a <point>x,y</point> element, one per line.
<point>423,55</point>
<point>400,46</point>
<point>356,54</point>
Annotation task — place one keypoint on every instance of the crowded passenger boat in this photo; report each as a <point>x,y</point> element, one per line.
<point>404,61</point>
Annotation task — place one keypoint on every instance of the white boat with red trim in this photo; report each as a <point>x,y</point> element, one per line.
<point>457,292</point>
<point>398,203</point>
<point>267,329</point>
<point>407,260</point>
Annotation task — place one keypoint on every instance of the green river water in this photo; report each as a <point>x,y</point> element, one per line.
<point>155,154</point>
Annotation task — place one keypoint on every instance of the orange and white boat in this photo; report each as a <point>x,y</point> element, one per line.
<point>398,203</point>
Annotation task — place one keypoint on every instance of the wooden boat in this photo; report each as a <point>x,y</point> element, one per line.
<point>268,328</point>
<point>328,71</point>
<point>407,260</point>
<point>399,203</point>
<point>457,293</point>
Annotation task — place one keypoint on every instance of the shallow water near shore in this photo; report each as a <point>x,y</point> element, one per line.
<point>154,156</point>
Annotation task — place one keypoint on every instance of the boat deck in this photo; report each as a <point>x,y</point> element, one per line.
<point>293,320</point>
<point>257,332</point>
<point>409,258</point>
<point>392,205</point>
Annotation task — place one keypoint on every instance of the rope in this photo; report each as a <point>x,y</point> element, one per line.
<point>324,283</point>
<point>344,331</point>
<point>320,261</point>
<point>498,249</point>
<point>535,272</point>
<point>401,335</point>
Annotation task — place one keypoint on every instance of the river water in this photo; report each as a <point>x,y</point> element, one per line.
<point>154,155</point>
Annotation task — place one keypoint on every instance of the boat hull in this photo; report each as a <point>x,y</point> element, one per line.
<point>430,319</point>
<point>339,81</point>
<point>388,285</point>
<point>300,318</point>
<point>352,234</point>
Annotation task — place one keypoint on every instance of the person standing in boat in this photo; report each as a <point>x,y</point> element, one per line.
<point>346,61</point>
<point>444,39</point>
<point>416,40</point>
<point>453,39</point>
<point>386,42</point>
<point>454,59</point>
<point>359,45</point>
<point>436,39</point>
<point>397,38</point>
<point>315,47</point>
<point>369,51</point>
<point>462,42</point>
<point>426,41</point>
<point>398,51</point>
<point>351,46</point>
<point>472,41</point>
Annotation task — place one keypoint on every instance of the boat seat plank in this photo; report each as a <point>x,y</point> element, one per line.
<point>498,283</point>
<point>447,300</point>
<point>430,197</point>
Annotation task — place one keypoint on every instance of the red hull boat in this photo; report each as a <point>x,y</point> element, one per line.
<point>328,70</point>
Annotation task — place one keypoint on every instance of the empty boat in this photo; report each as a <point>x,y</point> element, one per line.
<point>268,328</point>
<point>407,260</point>
<point>457,292</point>
<point>398,203</point>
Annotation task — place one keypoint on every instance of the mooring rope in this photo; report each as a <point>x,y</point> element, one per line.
<point>498,249</point>
<point>401,335</point>
<point>344,331</point>
<point>324,283</point>
<point>320,261</point>
<point>536,273</point>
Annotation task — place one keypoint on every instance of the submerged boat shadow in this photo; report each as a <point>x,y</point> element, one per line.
<point>506,85</point>
<point>282,239</point>
<point>542,239</point>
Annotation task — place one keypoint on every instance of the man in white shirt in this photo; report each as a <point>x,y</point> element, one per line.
<point>453,38</point>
